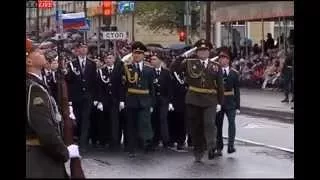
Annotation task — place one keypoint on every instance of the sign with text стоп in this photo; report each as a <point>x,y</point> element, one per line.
<point>113,35</point>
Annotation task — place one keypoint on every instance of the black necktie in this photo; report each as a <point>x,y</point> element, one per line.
<point>138,67</point>
<point>158,72</point>
<point>204,63</point>
<point>110,70</point>
<point>225,73</point>
<point>83,65</point>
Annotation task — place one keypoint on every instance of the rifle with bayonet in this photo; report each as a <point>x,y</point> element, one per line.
<point>75,163</point>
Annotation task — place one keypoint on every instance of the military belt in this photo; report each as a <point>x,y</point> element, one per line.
<point>33,142</point>
<point>228,93</point>
<point>202,90</point>
<point>138,91</point>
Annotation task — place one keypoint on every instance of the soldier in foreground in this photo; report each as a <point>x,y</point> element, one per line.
<point>203,99</point>
<point>231,103</point>
<point>46,152</point>
<point>163,89</point>
<point>140,100</point>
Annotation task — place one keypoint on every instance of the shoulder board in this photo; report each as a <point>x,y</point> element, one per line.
<point>235,70</point>
<point>148,65</point>
<point>215,62</point>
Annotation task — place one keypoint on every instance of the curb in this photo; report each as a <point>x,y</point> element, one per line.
<point>287,117</point>
<point>262,144</point>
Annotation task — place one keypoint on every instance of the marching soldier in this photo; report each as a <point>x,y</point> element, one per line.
<point>81,78</point>
<point>231,103</point>
<point>46,152</point>
<point>140,99</point>
<point>163,90</point>
<point>203,99</point>
<point>177,120</point>
<point>112,95</point>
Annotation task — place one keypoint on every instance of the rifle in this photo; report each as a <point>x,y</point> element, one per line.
<point>75,163</point>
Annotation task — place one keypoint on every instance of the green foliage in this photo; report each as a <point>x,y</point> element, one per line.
<point>160,15</point>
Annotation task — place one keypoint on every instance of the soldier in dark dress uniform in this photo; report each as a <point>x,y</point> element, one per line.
<point>82,83</point>
<point>203,99</point>
<point>46,152</point>
<point>112,95</point>
<point>163,90</point>
<point>231,103</point>
<point>176,118</point>
<point>140,99</point>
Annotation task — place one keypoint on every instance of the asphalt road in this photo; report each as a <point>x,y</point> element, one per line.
<point>261,158</point>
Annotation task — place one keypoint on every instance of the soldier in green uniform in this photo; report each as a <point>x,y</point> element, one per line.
<point>46,152</point>
<point>203,98</point>
<point>140,99</point>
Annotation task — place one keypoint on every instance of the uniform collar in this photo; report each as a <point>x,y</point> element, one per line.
<point>110,67</point>
<point>226,69</point>
<point>36,75</point>
<point>158,69</point>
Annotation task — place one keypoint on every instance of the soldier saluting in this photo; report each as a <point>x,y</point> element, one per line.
<point>140,99</point>
<point>203,98</point>
<point>231,103</point>
<point>46,152</point>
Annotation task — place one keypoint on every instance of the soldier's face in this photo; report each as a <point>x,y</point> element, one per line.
<point>137,56</point>
<point>109,60</point>
<point>54,65</point>
<point>155,62</point>
<point>83,50</point>
<point>36,59</point>
<point>203,53</point>
<point>224,60</point>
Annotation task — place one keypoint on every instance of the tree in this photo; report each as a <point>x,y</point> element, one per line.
<point>161,15</point>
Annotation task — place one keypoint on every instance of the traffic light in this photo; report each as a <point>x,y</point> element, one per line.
<point>107,8</point>
<point>182,36</point>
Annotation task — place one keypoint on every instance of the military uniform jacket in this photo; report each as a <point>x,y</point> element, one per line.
<point>51,80</point>
<point>144,82</point>
<point>111,86</point>
<point>180,89</point>
<point>48,158</point>
<point>163,86</point>
<point>80,83</point>
<point>231,85</point>
<point>199,77</point>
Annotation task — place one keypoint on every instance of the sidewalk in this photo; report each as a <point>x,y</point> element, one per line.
<point>265,103</point>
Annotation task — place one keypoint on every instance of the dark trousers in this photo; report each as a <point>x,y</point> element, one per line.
<point>95,117</point>
<point>82,111</point>
<point>138,126</point>
<point>287,83</point>
<point>110,125</point>
<point>203,127</point>
<point>177,127</point>
<point>231,115</point>
<point>122,127</point>
<point>160,124</point>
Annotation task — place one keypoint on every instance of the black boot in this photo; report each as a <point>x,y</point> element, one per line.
<point>211,154</point>
<point>286,100</point>
<point>219,152</point>
<point>231,149</point>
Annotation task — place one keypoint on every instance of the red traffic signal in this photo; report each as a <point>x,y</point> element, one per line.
<point>182,36</point>
<point>107,8</point>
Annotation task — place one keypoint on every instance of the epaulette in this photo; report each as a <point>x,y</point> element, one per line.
<point>235,70</point>
<point>148,65</point>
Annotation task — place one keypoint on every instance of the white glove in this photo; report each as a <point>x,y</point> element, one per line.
<point>218,108</point>
<point>74,151</point>
<point>71,114</point>
<point>171,107</point>
<point>95,103</point>
<point>100,106</point>
<point>151,109</point>
<point>238,111</point>
<point>121,105</point>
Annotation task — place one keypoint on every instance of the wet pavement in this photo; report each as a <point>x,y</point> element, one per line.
<point>249,161</point>
<point>263,130</point>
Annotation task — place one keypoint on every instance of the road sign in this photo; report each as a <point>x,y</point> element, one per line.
<point>113,35</point>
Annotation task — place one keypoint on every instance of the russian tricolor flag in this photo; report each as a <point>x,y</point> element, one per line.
<point>73,21</point>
